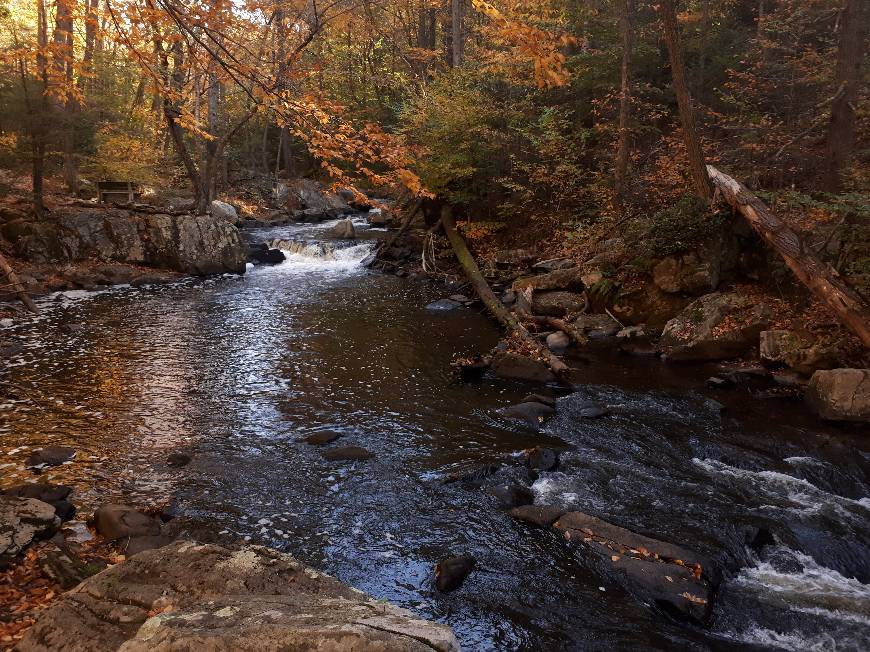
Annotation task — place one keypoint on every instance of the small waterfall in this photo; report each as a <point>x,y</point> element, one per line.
<point>308,255</point>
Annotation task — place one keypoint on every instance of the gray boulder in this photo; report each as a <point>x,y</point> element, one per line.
<point>716,326</point>
<point>22,521</point>
<point>840,394</point>
<point>122,521</point>
<point>187,596</point>
<point>344,229</point>
<point>560,279</point>
<point>224,211</point>
<point>689,273</point>
<point>309,195</point>
<point>533,413</point>
<point>557,303</point>
<point>558,341</point>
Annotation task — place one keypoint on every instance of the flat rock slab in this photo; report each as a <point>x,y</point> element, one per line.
<point>519,367</point>
<point>675,579</point>
<point>54,494</point>
<point>204,597</point>
<point>347,453</point>
<point>323,437</point>
<point>22,521</point>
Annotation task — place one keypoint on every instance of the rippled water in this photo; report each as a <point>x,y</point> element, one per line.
<point>238,369</point>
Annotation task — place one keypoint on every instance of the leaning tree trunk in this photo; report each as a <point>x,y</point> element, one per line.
<point>819,277</point>
<point>15,282</point>
<point>684,99</point>
<point>492,303</point>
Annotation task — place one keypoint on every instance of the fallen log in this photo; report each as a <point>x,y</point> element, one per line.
<point>15,282</point>
<point>411,210</point>
<point>492,303</point>
<point>821,279</point>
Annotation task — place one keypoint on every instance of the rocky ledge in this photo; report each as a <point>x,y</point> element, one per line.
<point>194,597</point>
<point>192,244</point>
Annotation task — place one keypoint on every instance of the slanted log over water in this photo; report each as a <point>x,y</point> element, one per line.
<point>492,303</point>
<point>818,276</point>
<point>15,282</point>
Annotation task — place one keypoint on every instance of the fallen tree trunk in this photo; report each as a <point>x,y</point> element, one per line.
<point>15,282</point>
<point>822,279</point>
<point>412,210</point>
<point>492,303</point>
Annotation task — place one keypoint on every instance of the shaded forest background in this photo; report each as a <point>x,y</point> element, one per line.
<point>538,120</point>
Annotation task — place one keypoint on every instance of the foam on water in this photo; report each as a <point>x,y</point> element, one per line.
<point>306,257</point>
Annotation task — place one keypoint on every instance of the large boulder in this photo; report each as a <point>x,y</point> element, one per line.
<point>187,596</point>
<point>22,521</point>
<point>557,303</point>
<point>122,521</point>
<point>54,494</point>
<point>716,326</point>
<point>840,394</point>
<point>675,579</point>
<point>309,195</point>
<point>781,347</point>
<point>192,244</point>
<point>344,229</point>
<point>690,273</point>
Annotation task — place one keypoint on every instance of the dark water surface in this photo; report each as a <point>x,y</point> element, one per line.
<point>238,369</point>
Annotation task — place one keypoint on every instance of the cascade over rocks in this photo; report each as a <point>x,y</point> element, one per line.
<point>717,326</point>
<point>197,597</point>
<point>193,244</point>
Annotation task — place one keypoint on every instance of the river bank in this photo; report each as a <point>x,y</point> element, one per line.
<point>239,371</point>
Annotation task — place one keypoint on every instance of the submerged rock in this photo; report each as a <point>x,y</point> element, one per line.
<point>322,437</point>
<point>50,456</point>
<point>675,579</point>
<point>840,394</point>
<point>541,458</point>
<point>22,521</point>
<point>347,453</point>
<point>513,365</point>
<point>187,596</point>
<point>443,305</point>
<point>511,495</point>
<point>178,459</point>
<point>533,413</point>
<point>450,573</point>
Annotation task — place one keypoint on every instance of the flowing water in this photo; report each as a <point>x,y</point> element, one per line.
<point>239,369</point>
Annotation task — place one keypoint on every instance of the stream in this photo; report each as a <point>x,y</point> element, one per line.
<point>237,369</point>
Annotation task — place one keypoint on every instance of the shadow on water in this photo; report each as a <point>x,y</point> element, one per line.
<point>239,369</point>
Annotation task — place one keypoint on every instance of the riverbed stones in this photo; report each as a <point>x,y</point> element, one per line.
<point>54,494</point>
<point>22,521</point>
<point>840,394</point>
<point>114,521</point>
<point>347,453</point>
<point>511,495</point>
<point>507,364</point>
<point>675,579</point>
<point>537,515</point>
<point>716,326</point>
<point>50,456</point>
<point>533,413</point>
<point>451,572</point>
<point>187,596</point>
<point>322,437</point>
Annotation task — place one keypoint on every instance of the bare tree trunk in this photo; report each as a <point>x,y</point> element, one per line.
<point>626,21</point>
<point>852,47</point>
<point>15,282</point>
<point>492,303</point>
<point>457,31</point>
<point>691,138</point>
<point>39,126</point>
<point>820,278</point>
<point>63,70</point>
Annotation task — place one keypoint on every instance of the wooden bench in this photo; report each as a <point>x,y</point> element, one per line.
<point>121,192</point>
